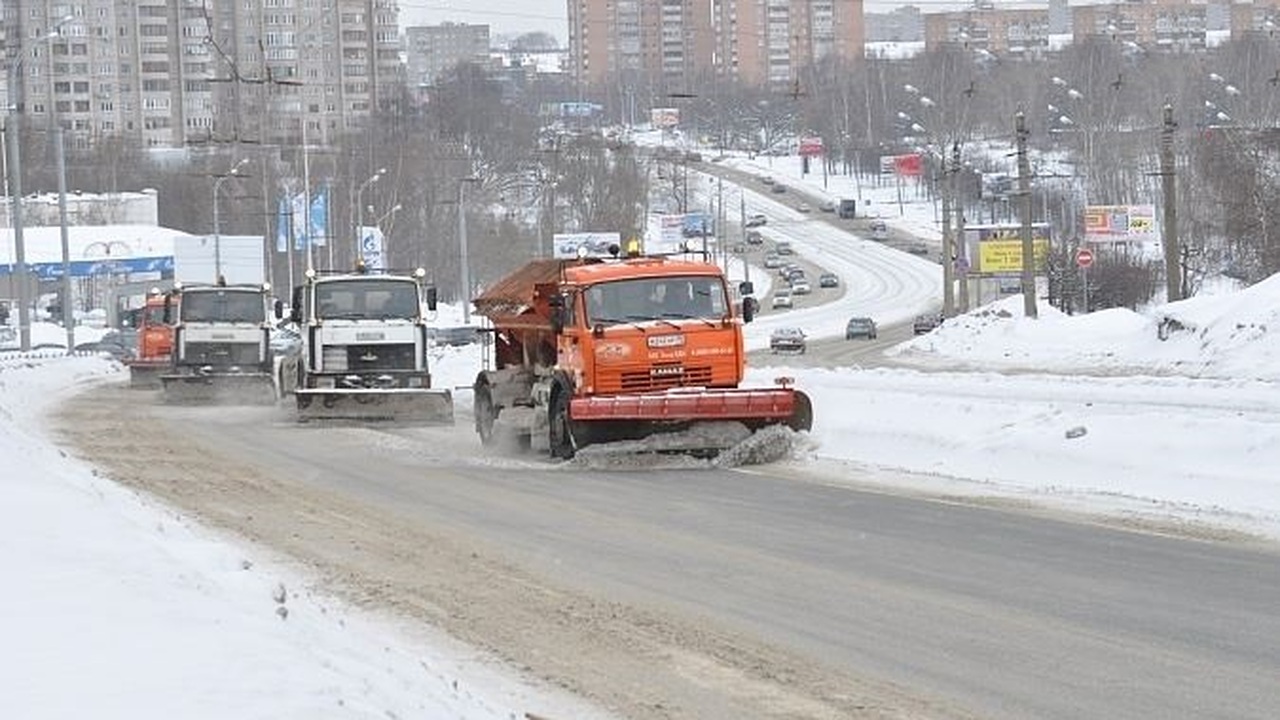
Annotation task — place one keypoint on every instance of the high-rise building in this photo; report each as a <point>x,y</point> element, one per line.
<point>432,50</point>
<point>174,72</point>
<point>677,41</point>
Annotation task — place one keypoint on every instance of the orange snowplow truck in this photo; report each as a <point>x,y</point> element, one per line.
<point>595,350</point>
<point>155,344</point>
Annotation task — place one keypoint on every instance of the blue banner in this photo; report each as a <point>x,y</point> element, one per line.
<point>96,268</point>
<point>282,224</point>
<point>319,231</point>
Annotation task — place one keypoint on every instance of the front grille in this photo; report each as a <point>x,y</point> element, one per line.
<point>221,353</point>
<point>659,377</point>
<point>361,358</point>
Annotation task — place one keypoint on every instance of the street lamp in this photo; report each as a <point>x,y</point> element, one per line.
<point>357,210</point>
<point>217,228</point>
<point>462,248</point>
<point>15,188</point>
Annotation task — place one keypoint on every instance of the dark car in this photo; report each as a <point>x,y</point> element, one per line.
<point>828,280</point>
<point>879,230</point>
<point>119,344</point>
<point>778,188</point>
<point>926,323</point>
<point>457,336</point>
<point>788,340</point>
<point>754,237</point>
<point>863,327</point>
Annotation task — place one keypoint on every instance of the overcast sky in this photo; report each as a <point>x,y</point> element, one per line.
<point>507,17</point>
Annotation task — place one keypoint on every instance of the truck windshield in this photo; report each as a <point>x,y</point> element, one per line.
<point>153,315</point>
<point>664,298</point>
<point>367,299</point>
<point>223,305</point>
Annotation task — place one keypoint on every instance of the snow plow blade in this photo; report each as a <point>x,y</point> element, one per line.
<point>753,407</point>
<point>219,389</point>
<point>146,376</point>
<point>402,406</point>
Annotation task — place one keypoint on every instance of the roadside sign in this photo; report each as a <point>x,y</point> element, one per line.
<point>1084,257</point>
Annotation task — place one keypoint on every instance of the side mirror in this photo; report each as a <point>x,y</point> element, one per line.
<point>557,313</point>
<point>745,288</point>
<point>279,308</point>
<point>433,299</point>
<point>168,309</point>
<point>295,306</point>
<point>750,306</point>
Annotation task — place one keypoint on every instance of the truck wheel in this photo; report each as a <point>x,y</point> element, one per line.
<point>485,414</point>
<point>561,438</point>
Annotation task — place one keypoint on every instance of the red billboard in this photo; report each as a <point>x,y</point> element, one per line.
<point>810,146</point>
<point>911,164</point>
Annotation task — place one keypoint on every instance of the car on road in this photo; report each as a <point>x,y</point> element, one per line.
<point>458,336</point>
<point>754,237</point>
<point>860,327</point>
<point>787,340</point>
<point>828,280</point>
<point>757,220</point>
<point>772,261</point>
<point>804,208</point>
<point>879,230</point>
<point>918,249</point>
<point>777,188</point>
<point>800,286</point>
<point>782,247</point>
<point>782,298</point>
<point>926,323</point>
<point>766,179</point>
<point>827,206</point>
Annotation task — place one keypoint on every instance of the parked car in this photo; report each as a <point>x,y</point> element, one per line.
<point>782,298</point>
<point>787,340</point>
<point>828,280</point>
<point>828,206</point>
<point>863,327</point>
<point>457,336</point>
<point>800,286</point>
<point>879,231</point>
<point>754,237</point>
<point>782,247</point>
<point>772,261</point>
<point>926,323</point>
<point>757,220</point>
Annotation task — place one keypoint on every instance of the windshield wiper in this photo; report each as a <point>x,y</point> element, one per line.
<point>345,316</point>
<point>630,320</point>
<point>686,316</point>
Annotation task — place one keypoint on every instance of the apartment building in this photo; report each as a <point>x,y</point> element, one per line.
<point>754,41</point>
<point>1172,25</point>
<point>168,73</point>
<point>1009,31</point>
<point>433,50</point>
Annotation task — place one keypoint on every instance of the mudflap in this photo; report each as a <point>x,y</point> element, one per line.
<point>215,389</point>
<point>400,406</point>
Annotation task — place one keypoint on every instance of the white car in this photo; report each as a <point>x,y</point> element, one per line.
<point>801,287</point>
<point>782,299</point>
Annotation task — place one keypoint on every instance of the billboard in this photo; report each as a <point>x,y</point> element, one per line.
<point>997,249</point>
<point>593,244</point>
<point>373,248</point>
<point>664,117</point>
<point>810,146</point>
<point>1119,223</point>
<point>911,165</point>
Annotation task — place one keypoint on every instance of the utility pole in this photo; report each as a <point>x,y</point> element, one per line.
<point>68,312</point>
<point>960,257</point>
<point>1169,231</point>
<point>1028,245</point>
<point>948,250</point>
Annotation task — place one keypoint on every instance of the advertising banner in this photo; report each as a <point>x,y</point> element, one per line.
<point>373,248</point>
<point>810,147</point>
<point>567,245</point>
<point>910,165</point>
<point>664,118</point>
<point>1120,223</point>
<point>997,249</point>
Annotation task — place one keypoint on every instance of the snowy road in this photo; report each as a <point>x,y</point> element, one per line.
<point>888,285</point>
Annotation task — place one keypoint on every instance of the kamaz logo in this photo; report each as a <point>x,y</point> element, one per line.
<point>665,341</point>
<point>367,336</point>
<point>667,370</point>
<point>368,357</point>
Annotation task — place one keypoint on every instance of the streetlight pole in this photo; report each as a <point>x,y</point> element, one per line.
<point>357,210</point>
<point>217,228</point>
<point>465,293</point>
<point>15,190</point>
<point>68,311</point>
